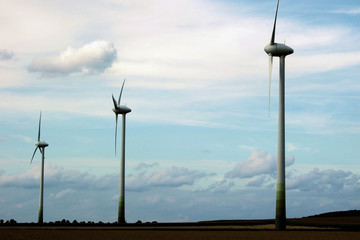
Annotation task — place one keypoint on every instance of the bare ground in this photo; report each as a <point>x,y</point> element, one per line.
<point>173,234</point>
<point>303,228</point>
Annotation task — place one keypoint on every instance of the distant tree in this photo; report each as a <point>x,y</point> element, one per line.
<point>75,222</point>
<point>1,221</point>
<point>139,222</point>
<point>12,221</point>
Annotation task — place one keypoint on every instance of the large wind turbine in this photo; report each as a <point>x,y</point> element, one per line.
<point>123,110</point>
<point>41,146</point>
<point>279,50</point>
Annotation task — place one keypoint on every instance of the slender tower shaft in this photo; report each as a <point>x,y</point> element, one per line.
<point>41,200</point>
<point>280,221</point>
<point>121,215</point>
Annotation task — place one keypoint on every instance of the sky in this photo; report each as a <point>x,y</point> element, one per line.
<point>201,143</point>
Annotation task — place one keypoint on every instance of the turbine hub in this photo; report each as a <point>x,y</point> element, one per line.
<point>278,49</point>
<point>121,110</point>
<point>41,144</point>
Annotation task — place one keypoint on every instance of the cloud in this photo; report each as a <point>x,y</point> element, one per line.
<point>168,202</point>
<point>23,180</point>
<point>221,186</point>
<point>290,147</point>
<point>246,147</point>
<point>146,165</point>
<point>353,12</point>
<point>328,180</point>
<point>259,162</point>
<point>260,181</point>
<point>62,193</point>
<point>6,55</point>
<point>170,177</point>
<point>92,58</point>
<point>323,62</point>
<point>23,138</point>
<point>56,176</point>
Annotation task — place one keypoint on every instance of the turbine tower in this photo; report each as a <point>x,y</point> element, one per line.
<point>123,110</point>
<point>279,50</point>
<point>41,146</point>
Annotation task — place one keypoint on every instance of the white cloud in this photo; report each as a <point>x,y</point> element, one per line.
<point>62,194</point>
<point>321,123</point>
<point>317,190</point>
<point>6,55</point>
<point>259,182</point>
<point>22,180</point>
<point>170,177</point>
<point>56,176</point>
<point>290,147</point>
<point>222,186</point>
<point>259,162</point>
<point>317,63</point>
<point>246,147</point>
<point>354,11</point>
<point>24,138</point>
<point>92,58</point>
<point>143,165</point>
<point>328,180</point>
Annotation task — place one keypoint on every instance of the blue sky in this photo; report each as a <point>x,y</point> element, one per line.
<point>200,143</point>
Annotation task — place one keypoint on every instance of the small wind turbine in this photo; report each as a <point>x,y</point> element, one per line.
<point>123,110</point>
<point>279,50</point>
<point>41,146</point>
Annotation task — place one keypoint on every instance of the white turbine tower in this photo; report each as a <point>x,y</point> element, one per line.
<point>41,146</point>
<point>123,110</point>
<point>279,50</point>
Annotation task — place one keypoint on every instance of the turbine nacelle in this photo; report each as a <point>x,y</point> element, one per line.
<point>278,50</point>
<point>41,144</point>
<point>121,109</point>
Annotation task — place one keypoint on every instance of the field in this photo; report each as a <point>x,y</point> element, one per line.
<point>303,228</point>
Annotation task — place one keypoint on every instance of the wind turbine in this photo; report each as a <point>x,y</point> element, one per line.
<point>123,110</point>
<point>41,146</point>
<point>279,50</point>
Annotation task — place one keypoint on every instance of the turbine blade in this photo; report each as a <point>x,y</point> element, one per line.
<point>121,91</point>
<point>33,154</point>
<point>39,130</point>
<point>41,150</point>
<point>114,101</point>
<point>116,121</point>
<point>272,41</point>
<point>270,73</point>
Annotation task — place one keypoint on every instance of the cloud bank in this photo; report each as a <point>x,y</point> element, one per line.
<point>169,177</point>
<point>328,180</point>
<point>91,58</point>
<point>56,176</point>
<point>156,193</point>
<point>259,162</point>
